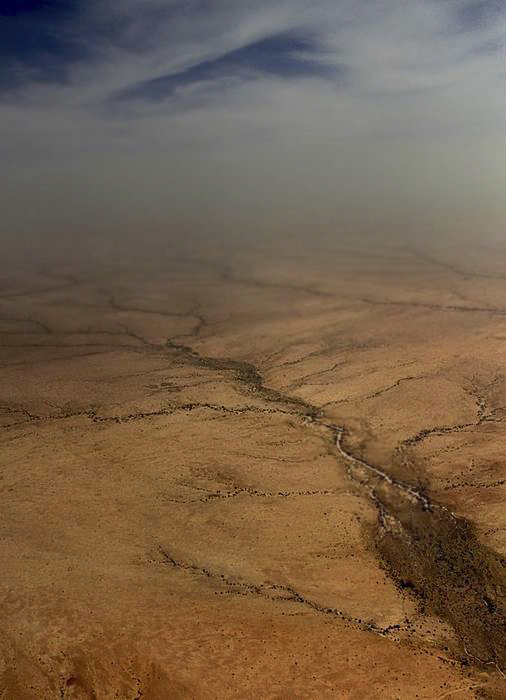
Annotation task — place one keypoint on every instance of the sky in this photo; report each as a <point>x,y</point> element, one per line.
<point>142,117</point>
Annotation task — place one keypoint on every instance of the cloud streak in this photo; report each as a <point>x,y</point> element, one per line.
<point>286,56</point>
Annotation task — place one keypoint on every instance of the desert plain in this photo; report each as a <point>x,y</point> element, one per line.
<point>264,470</point>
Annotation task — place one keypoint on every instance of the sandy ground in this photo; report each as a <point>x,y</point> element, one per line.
<point>262,472</point>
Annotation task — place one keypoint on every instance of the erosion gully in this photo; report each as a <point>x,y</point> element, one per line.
<point>429,552</point>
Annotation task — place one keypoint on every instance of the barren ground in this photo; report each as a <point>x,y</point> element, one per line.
<point>259,472</point>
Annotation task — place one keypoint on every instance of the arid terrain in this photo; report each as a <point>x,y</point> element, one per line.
<point>268,471</point>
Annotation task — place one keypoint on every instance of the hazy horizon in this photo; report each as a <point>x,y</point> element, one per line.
<point>169,118</point>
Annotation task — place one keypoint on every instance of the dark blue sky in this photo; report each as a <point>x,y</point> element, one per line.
<point>39,40</point>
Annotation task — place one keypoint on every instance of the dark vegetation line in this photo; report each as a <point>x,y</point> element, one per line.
<point>274,592</point>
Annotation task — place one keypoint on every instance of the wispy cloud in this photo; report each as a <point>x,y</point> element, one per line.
<point>286,56</point>
<point>88,85</point>
<point>151,50</point>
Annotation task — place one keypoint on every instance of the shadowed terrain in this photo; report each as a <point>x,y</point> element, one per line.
<point>254,471</point>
